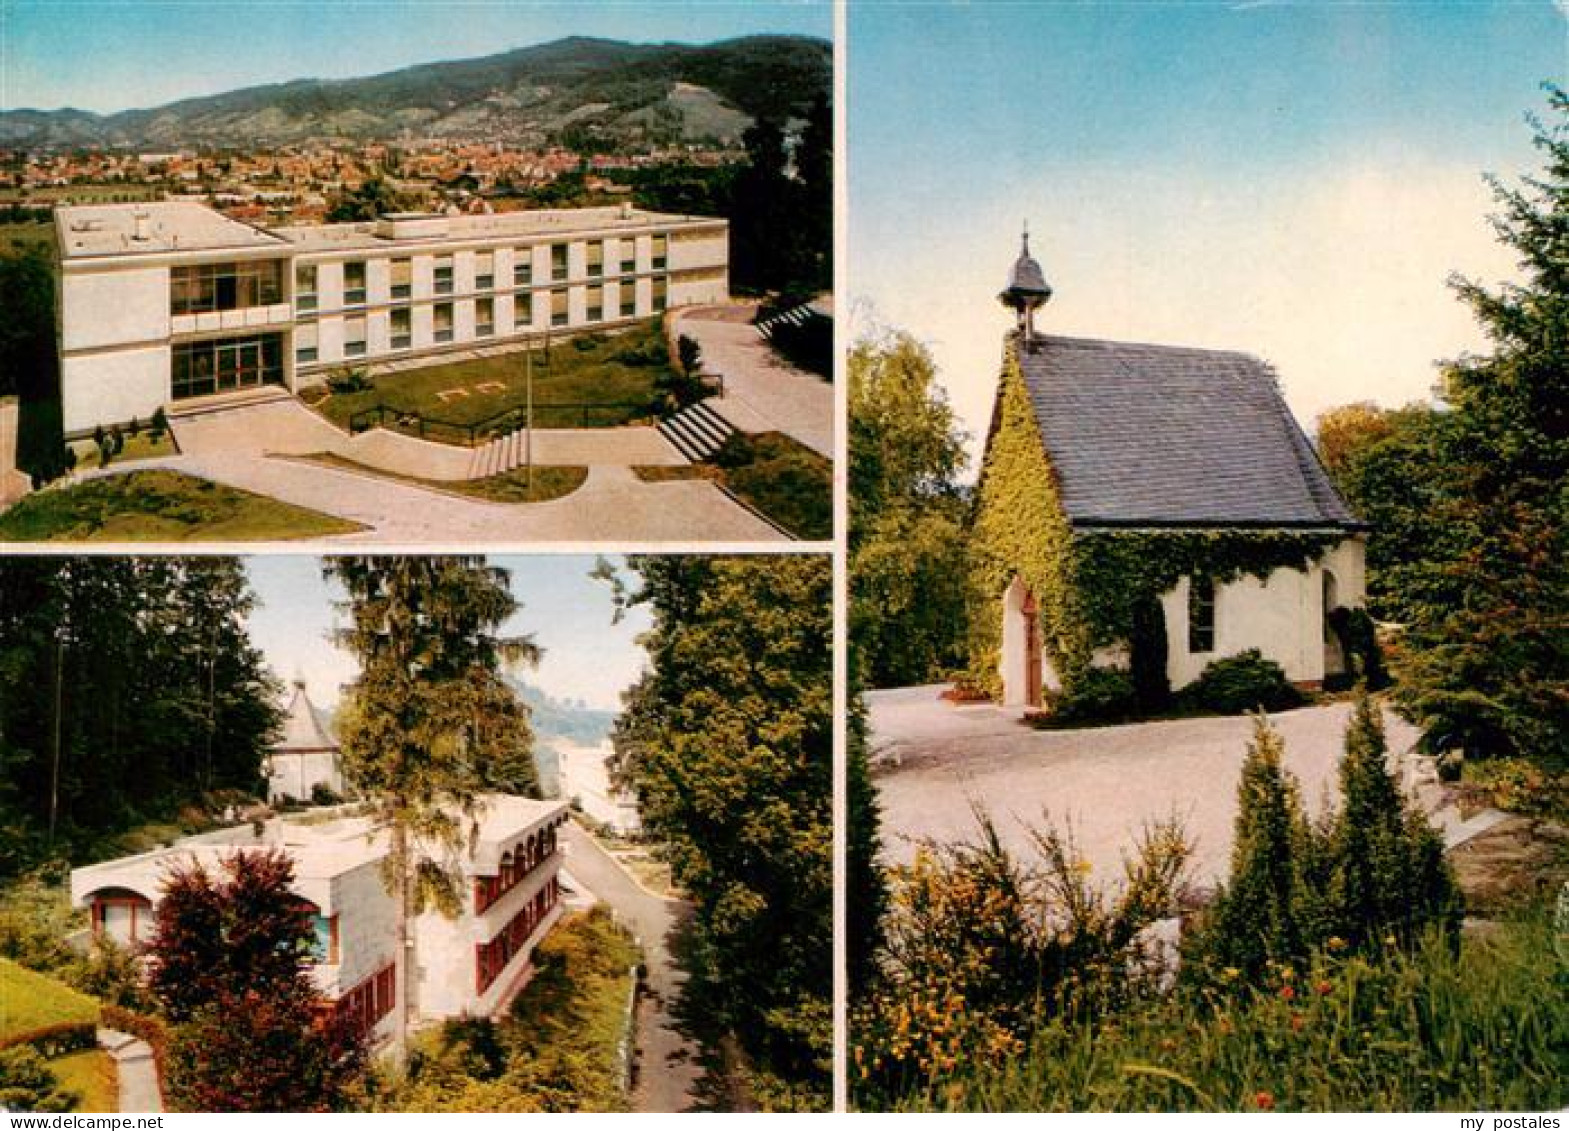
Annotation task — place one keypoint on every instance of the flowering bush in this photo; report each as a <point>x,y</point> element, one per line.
<point>980,948</point>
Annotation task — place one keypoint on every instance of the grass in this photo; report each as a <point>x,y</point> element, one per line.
<point>24,233</point>
<point>1481,1030</point>
<point>161,506</point>
<point>678,473</point>
<point>785,480</point>
<point>29,1000</point>
<point>618,370</point>
<point>85,193</point>
<point>91,1075</point>
<point>509,487</point>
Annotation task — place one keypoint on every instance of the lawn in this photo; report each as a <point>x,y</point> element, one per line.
<point>91,1075</point>
<point>785,480</point>
<point>25,232</point>
<point>508,487</point>
<point>161,506</point>
<point>29,1001</point>
<point>617,372</point>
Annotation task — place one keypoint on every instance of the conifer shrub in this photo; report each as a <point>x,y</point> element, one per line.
<point>1247,681</point>
<point>1371,875</point>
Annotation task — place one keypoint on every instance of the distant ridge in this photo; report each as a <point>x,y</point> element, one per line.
<point>579,91</point>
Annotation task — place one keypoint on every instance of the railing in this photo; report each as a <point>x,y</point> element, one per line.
<point>556,414</point>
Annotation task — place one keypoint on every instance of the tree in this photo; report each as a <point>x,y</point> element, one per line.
<point>108,663</point>
<point>906,515</point>
<point>1259,915</point>
<point>229,961</point>
<point>1388,874</point>
<point>429,724</point>
<point>374,197</point>
<point>1487,664</point>
<point>727,740</point>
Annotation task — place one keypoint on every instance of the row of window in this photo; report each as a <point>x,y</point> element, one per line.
<point>513,869</point>
<point>307,343</point>
<point>202,288</point>
<point>354,289</point>
<point>491,958</point>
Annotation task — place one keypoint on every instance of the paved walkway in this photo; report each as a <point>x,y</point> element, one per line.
<point>668,1066</point>
<point>763,392</point>
<point>935,760</point>
<point>613,505</point>
<point>284,426</point>
<point>135,1070</point>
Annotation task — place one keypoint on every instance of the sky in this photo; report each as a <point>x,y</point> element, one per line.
<point>108,55</point>
<point>586,657</point>
<point>1292,181</point>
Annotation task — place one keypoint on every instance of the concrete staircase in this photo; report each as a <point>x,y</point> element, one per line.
<point>499,456</point>
<point>795,316</point>
<point>697,431</point>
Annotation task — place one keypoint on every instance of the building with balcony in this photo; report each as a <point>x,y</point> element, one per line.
<point>470,964</point>
<point>161,303</point>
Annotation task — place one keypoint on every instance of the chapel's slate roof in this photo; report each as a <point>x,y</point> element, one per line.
<point>1164,435</point>
<point>303,726</point>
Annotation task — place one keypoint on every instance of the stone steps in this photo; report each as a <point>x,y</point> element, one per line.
<point>697,431</point>
<point>500,455</point>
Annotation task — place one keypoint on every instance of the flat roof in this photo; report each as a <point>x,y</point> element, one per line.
<point>151,228</point>
<point>500,226</point>
<point>323,844</point>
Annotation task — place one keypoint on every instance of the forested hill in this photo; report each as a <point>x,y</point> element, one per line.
<point>586,93</point>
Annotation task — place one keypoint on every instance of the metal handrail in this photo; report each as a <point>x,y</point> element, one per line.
<point>479,431</point>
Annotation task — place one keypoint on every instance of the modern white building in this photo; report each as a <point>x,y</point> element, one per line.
<point>161,303</point>
<point>472,964</point>
<point>305,756</point>
<point>585,782</point>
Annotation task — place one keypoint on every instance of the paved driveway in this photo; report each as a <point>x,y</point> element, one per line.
<point>763,392</point>
<point>936,760</point>
<point>668,1065</point>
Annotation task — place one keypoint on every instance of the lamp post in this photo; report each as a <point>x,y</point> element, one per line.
<point>528,369</point>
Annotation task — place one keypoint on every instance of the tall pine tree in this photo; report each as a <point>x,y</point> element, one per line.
<point>429,724</point>
<point>1488,648</point>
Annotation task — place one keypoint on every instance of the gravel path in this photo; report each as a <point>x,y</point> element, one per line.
<point>936,760</point>
<point>668,1066</point>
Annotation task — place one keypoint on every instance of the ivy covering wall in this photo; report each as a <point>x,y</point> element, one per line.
<point>1087,584</point>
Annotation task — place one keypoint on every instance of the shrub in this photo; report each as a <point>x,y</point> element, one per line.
<point>141,1025</point>
<point>1432,1030</point>
<point>323,794</point>
<point>980,948</point>
<point>689,354</point>
<point>51,1041</point>
<point>159,424</point>
<point>1519,785</point>
<point>1265,911</point>
<point>1244,682</point>
<point>1099,695</point>
<point>1371,876</point>
<point>1387,875</point>
<point>27,1084</point>
<point>349,379</point>
<point>1358,637</point>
